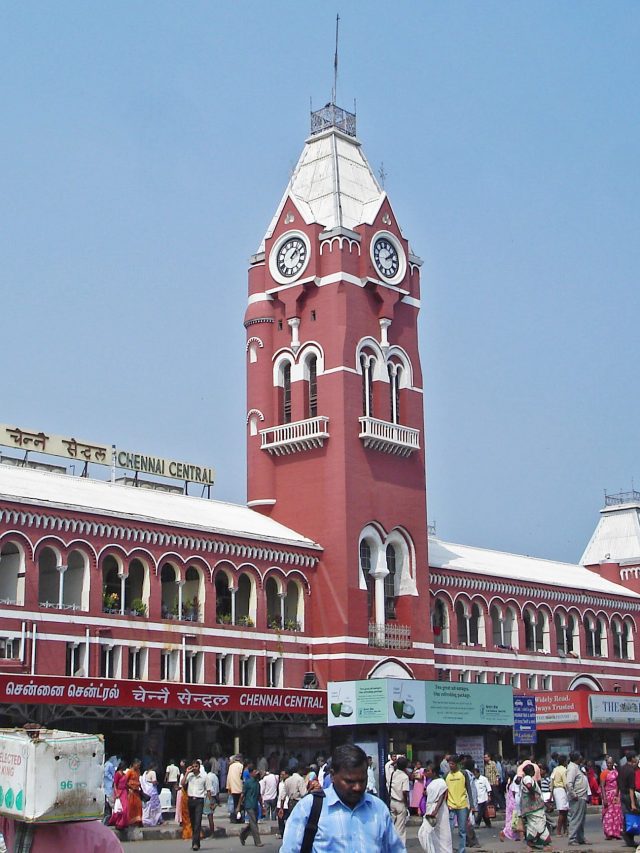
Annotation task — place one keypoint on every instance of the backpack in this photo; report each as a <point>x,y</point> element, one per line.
<point>311,827</point>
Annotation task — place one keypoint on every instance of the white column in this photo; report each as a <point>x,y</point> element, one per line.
<point>233,591</point>
<point>294,325</point>
<point>180,585</point>
<point>123,579</point>
<point>61,570</point>
<point>384,326</point>
<point>283,597</point>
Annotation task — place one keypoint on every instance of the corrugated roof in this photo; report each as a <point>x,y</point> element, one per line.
<point>332,184</point>
<point>42,488</point>
<point>616,538</point>
<point>481,561</point>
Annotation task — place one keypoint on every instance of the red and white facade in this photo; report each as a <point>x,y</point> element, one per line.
<point>328,573</point>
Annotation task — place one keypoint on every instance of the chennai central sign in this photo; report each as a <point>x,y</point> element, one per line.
<point>74,450</point>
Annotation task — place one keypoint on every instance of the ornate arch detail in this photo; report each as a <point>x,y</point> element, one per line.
<point>255,412</point>
<point>398,665</point>
<point>586,681</point>
<point>253,340</point>
<point>342,239</point>
<point>22,542</point>
<point>406,374</point>
<point>54,543</point>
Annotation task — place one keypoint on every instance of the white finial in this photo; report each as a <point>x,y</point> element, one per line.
<point>335,64</point>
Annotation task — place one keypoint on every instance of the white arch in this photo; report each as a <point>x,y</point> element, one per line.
<point>406,374</point>
<point>586,681</point>
<point>390,668</point>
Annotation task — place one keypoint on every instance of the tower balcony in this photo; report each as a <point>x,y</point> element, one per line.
<point>295,437</point>
<point>389,635</point>
<point>389,437</point>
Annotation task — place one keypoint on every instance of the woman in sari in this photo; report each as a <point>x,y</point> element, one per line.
<point>151,809</point>
<point>512,813</point>
<point>611,807</point>
<point>133,793</point>
<point>437,811</point>
<point>182,808</point>
<point>532,811</point>
<point>417,788</point>
<point>120,814</point>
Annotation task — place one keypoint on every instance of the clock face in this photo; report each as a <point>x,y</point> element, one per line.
<point>291,257</point>
<point>386,258</point>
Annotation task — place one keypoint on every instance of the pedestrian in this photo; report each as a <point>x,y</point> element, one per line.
<point>492,774</point>
<point>249,801</point>
<point>282,806</point>
<point>269,793</point>
<point>559,794</point>
<point>417,787</point>
<point>612,817</point>
<point>295,788</point>
<point>458,799</point>
<point>372,782</point>
<point>110,768</point>
<point>532,811</point>
<point>437,812</point>
<point>120,815</point>
<point>211,801</point>
<point>234,784</point>
<point>577,793</point>
<point>197,787</point>
<point>151,808</point>
<point>399,797</point>
<point>483,795</point>
<point>171,777</point>
<point>350,820</point>
<point>628,797</point>
<point>71,836</point>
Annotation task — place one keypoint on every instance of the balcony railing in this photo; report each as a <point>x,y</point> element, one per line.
<point>388,437</point>
<point>292,438</point>
<point>389,636</point>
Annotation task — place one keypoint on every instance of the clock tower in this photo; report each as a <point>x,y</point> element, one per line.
<point>335,424</point>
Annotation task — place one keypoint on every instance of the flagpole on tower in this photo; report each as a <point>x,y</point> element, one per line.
<point>335,64</point>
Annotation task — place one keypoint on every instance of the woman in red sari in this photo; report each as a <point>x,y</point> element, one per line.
<point>120,815</point>
<point>611,808</point>
<point>133,793</point>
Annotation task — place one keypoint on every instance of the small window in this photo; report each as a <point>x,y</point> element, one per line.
<point>286,394</point>
<point>109,660</point>
<point>137,668</point>
<point>279,325</point>
<point>390,584</point>
<point>247,670</point>
<point>313,316</point>
<point>194,667</point>
<point>221,669</point>
<point>313,387</point>
<point>275,670</point>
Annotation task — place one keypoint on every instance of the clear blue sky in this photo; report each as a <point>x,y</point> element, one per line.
<point>145,147</point>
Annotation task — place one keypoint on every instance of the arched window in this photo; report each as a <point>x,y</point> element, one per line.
<point>510,628</point>
<point>628,645</point>
<point>11,574</point>
<point>601,638</point>
<point>617,636</point>
<point>497,627</point>
<point>111,586</point>
<point>390,584</point>
<point>475,625</point>
<point>394,391</point>
<point>595,636</point>
<point>48,578</point>
<point>274,617</point>
<point>536,630</point>
<point>367,363</point>
<point>292,608</point>
<point>365,567</point>
<point>169,591</point>
<point>462,619</point>
<point>75,590</point>
<point>440,623</point>
<point>312,403</point>
<point>193,595</point>
<point>564,639</point>
<point>63,586</point>
<point>134,589</point>
<point>244,602</point>
<point>223,599</point>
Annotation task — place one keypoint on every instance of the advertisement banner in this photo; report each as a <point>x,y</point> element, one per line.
<point>394,700</point>
<point>473,746</point>
<point>614,708</point>
<point>477,704</point>
<point>52,690</point>
<point>561,710</point>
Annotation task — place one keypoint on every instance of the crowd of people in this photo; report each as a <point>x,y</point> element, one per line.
<point>456,795</point>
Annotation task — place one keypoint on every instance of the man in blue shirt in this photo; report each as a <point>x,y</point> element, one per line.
<point>350,820</point>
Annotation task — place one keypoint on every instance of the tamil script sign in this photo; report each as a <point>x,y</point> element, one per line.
<point>524,719</point>
<point>55,690</point>
<point>74,450</point>
<point>392,700</point>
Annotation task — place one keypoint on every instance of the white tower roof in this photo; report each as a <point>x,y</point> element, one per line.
<point>616,539</point>
<point>333,183</point>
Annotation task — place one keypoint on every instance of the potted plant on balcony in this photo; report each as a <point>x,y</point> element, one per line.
<point>191,609</point>
<point>274,622</point>
<point>110,601</point>
<point>138,607</point>
<point>247,621</point>
<point>291,625</point>
<point>223,618</point>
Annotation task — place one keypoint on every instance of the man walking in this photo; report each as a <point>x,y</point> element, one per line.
<point>491,772</point>
<point>234,784</point>
<point>578,793</point>
<point>628,797</point>
<point>458,799</point>
<point>399,797</point>
<point>295,788</point>
<point>171,779</point>
<point>350,820</point>
<point>250,800</point>
<point>196,786</point>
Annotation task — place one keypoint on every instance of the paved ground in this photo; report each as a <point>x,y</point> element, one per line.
<point>488,837</point>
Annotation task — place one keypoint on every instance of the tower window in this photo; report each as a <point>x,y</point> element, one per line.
<point>394,390</point>
<point>286,394</point>
<point>313,387</point>
<point>279,325</point>
<point>390,584</point>
<point>313,316</point>
<point>367,386</point>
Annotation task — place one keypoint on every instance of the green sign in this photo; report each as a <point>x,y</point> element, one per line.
<point>399,700</point>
